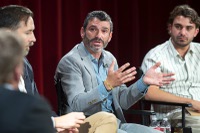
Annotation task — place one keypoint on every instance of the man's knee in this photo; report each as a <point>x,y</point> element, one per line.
<point>109,117</point>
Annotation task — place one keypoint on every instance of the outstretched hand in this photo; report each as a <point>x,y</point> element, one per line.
<point>120,76</point>
<point>152,77</point>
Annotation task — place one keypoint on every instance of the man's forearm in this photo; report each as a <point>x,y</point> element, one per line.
<point>155,94</point>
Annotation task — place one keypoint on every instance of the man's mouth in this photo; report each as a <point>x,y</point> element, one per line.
<point>182,39</point>
<point>97,42</point>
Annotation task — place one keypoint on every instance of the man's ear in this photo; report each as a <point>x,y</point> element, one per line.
<point>169,27</point>
<point>18,72</point>
<point>110,37</point>
<point>82,32</point>
<point>196,32</point>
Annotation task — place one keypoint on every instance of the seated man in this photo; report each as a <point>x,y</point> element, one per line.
<point>181,56</point>
<point>91,80</point>
<point>19,20</point>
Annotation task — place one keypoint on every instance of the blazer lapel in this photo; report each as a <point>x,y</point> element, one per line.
<point>28,77</point>
<point>87,63</point>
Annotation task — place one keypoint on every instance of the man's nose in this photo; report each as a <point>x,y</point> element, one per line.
<point>183,31</point>
<point>34,39</point>
<point>99,34</point>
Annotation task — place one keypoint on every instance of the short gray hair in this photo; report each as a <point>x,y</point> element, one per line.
<point>101,15</point>
<point>11,55</point>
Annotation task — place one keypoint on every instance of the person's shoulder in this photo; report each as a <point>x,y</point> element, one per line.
<point>23,98</point>
<point>70,56</point>
<point>196,44</point>
<point>108,53</point>
<point>72,52</point>
<point>23,109</point>
<point>15,94</point>
<point>158,49</point>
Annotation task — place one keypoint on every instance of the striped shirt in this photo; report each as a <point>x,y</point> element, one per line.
<point>187,70</point>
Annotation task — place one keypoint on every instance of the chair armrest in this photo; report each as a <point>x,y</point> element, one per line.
<point>168,103</point>
<point>183,105</point>
<point>144,114</point>
<point>139,112</point>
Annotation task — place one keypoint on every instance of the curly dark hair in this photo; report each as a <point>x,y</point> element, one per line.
<point>186,11</point>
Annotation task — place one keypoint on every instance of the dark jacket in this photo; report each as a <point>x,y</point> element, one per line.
<point>22,113</point>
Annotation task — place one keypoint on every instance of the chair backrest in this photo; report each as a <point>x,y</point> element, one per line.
<point>61,97</point>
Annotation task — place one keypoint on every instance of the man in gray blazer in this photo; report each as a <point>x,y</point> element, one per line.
<point>92,81</point>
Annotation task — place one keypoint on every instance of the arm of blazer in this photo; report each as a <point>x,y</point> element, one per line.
<point>79,83</point>
<point>127,96</point>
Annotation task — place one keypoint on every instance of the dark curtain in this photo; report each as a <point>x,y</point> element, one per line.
<point>139,25</point>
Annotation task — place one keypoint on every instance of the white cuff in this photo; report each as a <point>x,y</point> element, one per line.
<point>54,124</point>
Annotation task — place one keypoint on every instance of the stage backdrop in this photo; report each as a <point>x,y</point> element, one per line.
<point>139,25</point>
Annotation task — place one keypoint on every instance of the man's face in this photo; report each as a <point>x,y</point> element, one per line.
<point>182,31</point>
<point>96,35</point>
<point>25,31</point>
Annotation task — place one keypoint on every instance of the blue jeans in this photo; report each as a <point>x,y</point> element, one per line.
<point>134,128</point>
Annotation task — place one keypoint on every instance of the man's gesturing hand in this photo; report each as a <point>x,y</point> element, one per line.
<point>120,76</point>
<point>157,78</point>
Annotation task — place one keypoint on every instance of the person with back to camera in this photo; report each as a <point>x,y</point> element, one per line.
<point>19,112</point>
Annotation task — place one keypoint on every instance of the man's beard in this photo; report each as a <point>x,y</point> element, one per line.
<point>26,53</point>
<point>87,42</point>
<point>176,41</point>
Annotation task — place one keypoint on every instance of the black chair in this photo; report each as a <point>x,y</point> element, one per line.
<point>145,117</point>
<point>182,105</point>
<point>60,97</point>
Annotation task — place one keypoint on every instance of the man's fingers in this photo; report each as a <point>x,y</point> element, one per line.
<point>128,79</point>
<point>128,74</point>
<point>166,82</point>
<point>156,65</point>
<point>79,115</point>
<point>168,79</point>
<point>123,67</point>
<point>80,121</point>
<point>168,74</point>
<point>111,68</point>
<point>128,71</point>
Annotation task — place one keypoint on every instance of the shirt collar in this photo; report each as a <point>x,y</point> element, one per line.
<point>92,57</point>
<point>174,51</point>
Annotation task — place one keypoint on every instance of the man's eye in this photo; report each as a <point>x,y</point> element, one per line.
<point>178,27</point>
<point>27,33</point>
<point>189,28</point>
<point>104,31</point>
<point>92,29</point>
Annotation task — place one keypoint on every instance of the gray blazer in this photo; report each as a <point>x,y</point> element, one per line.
<point>79,83</point>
